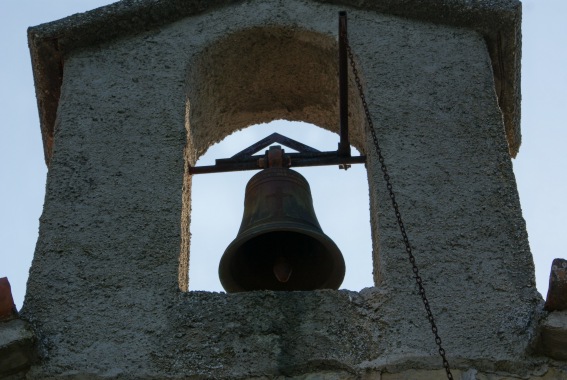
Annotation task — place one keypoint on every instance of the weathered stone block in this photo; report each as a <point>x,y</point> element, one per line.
<point>16,347</point>
<point>553,337</point>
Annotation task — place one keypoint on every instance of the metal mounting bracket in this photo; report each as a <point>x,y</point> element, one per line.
<point>306,156</point>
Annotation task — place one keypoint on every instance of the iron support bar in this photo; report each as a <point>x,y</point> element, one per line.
<point>306,156</point>
<point>296,160</point>
<point>344,144</point>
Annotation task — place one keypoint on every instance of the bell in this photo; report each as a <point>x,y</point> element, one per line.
<point>280,244</point>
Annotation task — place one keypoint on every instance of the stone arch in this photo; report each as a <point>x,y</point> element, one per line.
<point>255,76</point>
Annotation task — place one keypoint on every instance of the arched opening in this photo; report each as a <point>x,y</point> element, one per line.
<point>256,76</point>
<point>340,200</point>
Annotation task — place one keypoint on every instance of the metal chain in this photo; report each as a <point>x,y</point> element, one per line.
<point>411,257</point>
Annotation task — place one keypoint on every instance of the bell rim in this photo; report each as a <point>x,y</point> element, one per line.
<point>335,280</point>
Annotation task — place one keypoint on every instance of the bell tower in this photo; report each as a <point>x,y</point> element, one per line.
<point>130,95</point>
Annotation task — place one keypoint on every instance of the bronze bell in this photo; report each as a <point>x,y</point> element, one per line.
<point>280,244</point>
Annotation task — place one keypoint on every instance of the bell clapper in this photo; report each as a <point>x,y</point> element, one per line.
<point>282,269</point>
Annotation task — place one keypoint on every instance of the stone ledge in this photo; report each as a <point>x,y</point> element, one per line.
<point>553,336</point>
<point>303,335</point>
<point>16,347</point>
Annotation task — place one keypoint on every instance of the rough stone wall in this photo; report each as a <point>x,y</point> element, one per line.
<point>103,294</point>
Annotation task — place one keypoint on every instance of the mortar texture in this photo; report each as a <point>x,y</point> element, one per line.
<point>104,289</point>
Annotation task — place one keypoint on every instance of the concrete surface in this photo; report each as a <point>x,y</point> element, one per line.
<point>106,289</point>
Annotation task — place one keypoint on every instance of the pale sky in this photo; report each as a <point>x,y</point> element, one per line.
<point>539,168</point>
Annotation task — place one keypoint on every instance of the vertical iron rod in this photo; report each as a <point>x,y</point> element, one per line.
<point>344,144</point>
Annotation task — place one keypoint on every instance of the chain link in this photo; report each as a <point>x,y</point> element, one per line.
<point>407,244</point>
